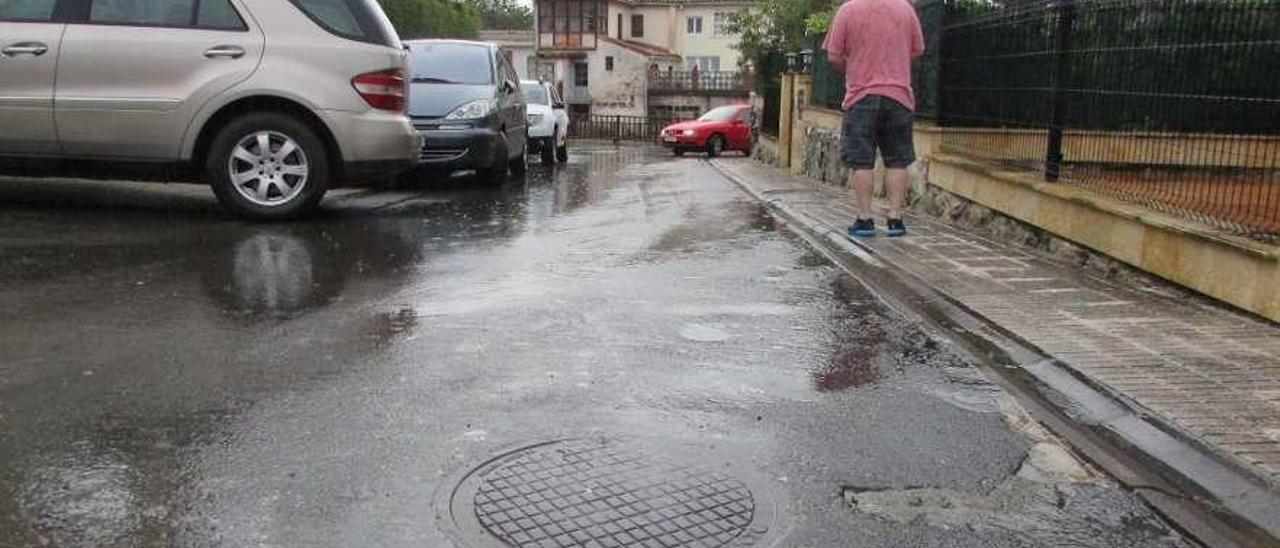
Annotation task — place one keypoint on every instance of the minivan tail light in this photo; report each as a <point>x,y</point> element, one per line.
<point>383,90</point>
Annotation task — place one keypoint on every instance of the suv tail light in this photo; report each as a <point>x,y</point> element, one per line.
<point>383,90</point>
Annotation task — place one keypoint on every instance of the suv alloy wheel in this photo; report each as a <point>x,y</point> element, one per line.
<point>268,166</point>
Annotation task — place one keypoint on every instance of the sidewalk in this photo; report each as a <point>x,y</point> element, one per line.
<point>1205,373</point>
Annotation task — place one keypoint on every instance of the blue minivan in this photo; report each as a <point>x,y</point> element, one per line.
<point>465,101</point>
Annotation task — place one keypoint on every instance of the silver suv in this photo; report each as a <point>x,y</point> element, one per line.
<point>273,101</point>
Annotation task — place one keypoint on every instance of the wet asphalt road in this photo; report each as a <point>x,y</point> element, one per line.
<point>170,376</point>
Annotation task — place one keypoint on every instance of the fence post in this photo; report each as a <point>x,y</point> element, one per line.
<point>1066,10</point>
<point>785,98</point>
<point>617,129</point>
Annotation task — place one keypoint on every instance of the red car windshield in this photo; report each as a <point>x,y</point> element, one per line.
<point>722,114</point>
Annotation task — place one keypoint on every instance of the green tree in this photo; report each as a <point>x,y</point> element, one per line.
<point>432,18</point>
<point>781,25</point>
<point>503,14</point>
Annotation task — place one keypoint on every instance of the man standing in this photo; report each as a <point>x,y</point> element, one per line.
<point>873,42</point>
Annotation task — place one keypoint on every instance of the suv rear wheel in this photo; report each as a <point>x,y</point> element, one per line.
<point>268,166</point>
<point>520,165</point>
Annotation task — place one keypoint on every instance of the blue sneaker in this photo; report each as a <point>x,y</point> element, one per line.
<point>896,228</point>
<point>862,228</point>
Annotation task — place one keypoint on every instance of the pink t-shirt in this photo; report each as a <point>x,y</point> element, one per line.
<point>877,39</point>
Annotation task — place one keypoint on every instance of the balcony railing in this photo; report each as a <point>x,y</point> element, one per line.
<point>699,82</point>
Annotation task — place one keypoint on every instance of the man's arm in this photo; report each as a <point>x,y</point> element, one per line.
<point>836,40</point>
<point>917,39</point>
<point>837,62</point>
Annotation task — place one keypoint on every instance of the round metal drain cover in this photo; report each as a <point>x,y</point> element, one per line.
<point>602,493</point>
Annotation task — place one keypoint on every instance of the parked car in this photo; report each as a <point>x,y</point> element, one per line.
<point>720,129</point>
<point>548,122</point>
<point>272,102</point>
<point>465,100</point>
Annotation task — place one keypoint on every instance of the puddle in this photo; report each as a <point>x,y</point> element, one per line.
<point>704,333</point>
<point>389,326</point>
<point>86,497</point>
<point>869,345</point>
<point>812,259</point>
<point>966,388</point>
<point>748,309</point>
<point>704,230</point>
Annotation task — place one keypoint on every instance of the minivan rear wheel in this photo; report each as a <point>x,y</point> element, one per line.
<point>496,174</point>
<point>549,149</point>
<point>520,165</point>
<point>268,166</point>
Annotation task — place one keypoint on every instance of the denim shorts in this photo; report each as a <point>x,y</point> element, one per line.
<point>878,122</point>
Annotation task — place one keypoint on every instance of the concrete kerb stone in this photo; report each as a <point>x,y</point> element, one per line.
<point>1205,479</point>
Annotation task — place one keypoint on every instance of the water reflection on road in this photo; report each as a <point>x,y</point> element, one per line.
<point>139,315</point>
<point>172,376</point>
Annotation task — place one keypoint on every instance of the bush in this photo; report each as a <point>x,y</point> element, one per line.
<point>432,18</point>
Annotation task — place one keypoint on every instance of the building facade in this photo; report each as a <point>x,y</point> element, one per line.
<point>519,46</point>
<point>669,58</point>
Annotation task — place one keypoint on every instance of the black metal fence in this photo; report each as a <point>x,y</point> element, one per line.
<point>828,83</point>
<point>1171,103</point>
<point>619,128</point>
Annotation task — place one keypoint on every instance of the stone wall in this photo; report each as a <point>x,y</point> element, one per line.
<point>823,157</point>
<point>767,151</point>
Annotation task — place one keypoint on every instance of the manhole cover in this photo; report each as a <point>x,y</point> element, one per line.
<point>605,493</point>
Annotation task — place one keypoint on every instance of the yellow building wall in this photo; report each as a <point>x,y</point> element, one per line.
<point>657,24</point>
<point>707,44</point>
<point>665,27</point>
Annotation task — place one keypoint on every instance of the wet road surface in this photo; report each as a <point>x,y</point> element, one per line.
<point>170,376</point>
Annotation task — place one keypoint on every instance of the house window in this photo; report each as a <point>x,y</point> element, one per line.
<point>580,75</point>
<point>704,64</point>
<point>608,63</point>
<point>693,25</point>
<point>718,23</point>
<point>637,26</point>
<point>546,16</point>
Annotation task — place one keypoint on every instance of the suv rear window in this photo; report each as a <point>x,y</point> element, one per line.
<point>535,94</point>
<point>446,63</point>
<point>360,20</point>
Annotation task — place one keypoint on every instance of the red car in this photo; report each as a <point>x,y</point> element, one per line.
<point>720,129</point>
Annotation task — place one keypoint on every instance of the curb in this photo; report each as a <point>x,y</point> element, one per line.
<point>1209,499</point>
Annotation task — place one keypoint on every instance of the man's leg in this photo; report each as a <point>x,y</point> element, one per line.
<point>860,157</point>
<point>895,181</point>
<point>863,183</point>
<point>899,152</point>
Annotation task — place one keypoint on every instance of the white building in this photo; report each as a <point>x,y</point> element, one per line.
<point>640,57</point>
<point>520,45</point>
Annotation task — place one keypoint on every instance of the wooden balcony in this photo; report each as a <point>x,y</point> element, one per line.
<point>570,25</point>
<point>567,41</point>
